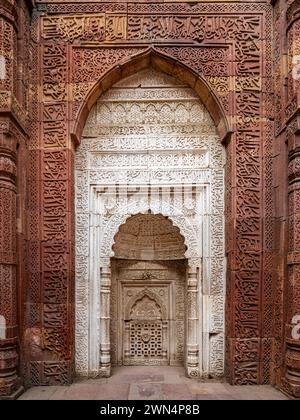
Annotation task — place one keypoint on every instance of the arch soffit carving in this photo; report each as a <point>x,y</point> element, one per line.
<point>164,64</point>
<point>165,222</point>
<point>186,230</point>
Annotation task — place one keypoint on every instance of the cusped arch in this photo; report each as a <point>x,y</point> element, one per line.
<point>149,237</point>
<point>165,64</point>
<point>139,296</point>
<point>145,309</point>
<point>186,229</point>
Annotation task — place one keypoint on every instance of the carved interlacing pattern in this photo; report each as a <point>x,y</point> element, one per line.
<point>51,234</point>
<point>57,247</point>
<point>142,347</point>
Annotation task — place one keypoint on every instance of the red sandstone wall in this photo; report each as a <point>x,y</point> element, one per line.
<point>14,107</point>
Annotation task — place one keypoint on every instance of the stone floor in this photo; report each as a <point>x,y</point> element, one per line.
<point>151,383</point>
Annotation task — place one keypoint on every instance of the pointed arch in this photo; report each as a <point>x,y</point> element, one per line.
<point>145,293</point>
<point>165,64</point>
<point>182,197</point>
<point>186,230</point>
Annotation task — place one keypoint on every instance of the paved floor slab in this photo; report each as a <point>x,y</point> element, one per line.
<point>151,383</point>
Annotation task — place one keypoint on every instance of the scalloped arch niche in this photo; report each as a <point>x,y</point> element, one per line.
<point>150,153</point>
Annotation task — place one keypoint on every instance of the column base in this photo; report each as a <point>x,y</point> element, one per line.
<point>105,371</point>
<point>292,385</point>
<point>192,372</point>
<point>292,369</point>
<point>13,396</point>
<point>294,391</point>
<point>10,383</point>
<point>290,389</point>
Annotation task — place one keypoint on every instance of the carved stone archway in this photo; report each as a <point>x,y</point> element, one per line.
<point>149,323</point>
<point>150,145</point>
<point>161,60</point>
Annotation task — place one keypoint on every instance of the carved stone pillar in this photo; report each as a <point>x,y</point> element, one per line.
<point>10,384</point>
<point>105,289</point>
<point>165,329</point>
<point>127,340</point>
<point>192,358</point>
